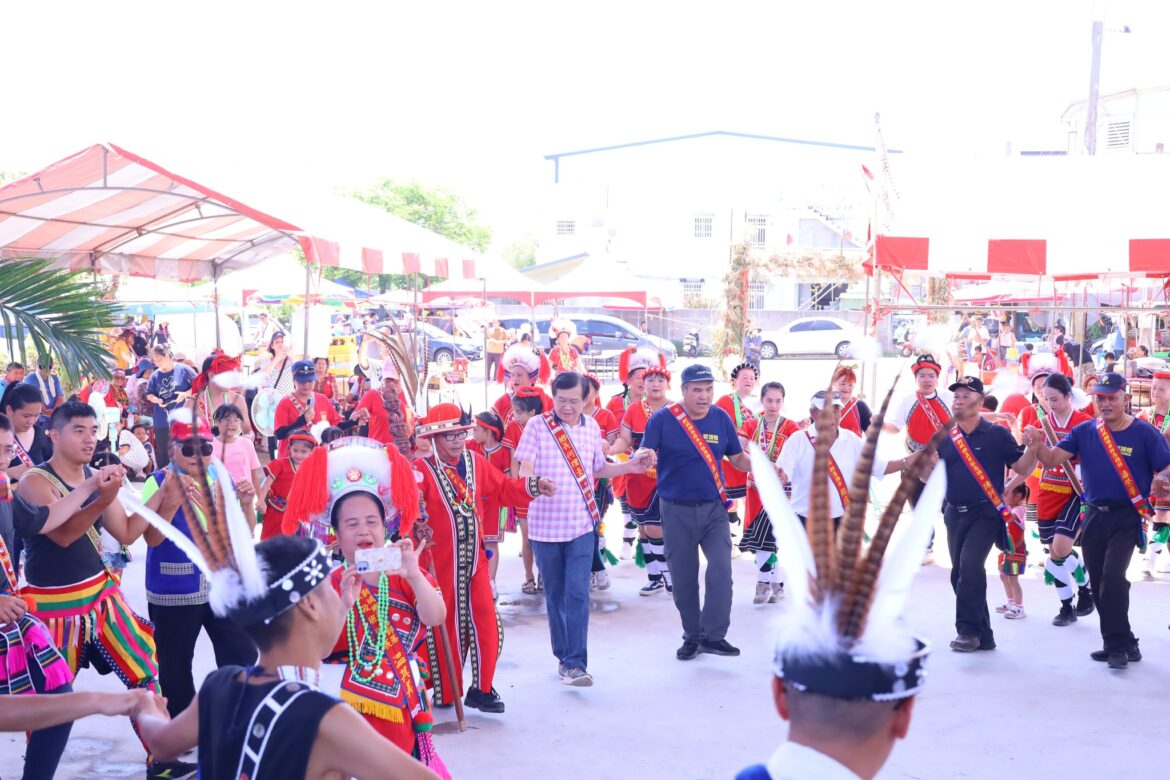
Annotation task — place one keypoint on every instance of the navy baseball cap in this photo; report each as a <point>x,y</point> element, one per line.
<point>969,383</point>
<point>304,371</point>
<point>1108,384</point>
<point>697,372</point>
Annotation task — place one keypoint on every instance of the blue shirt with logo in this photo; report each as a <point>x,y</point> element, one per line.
<point>683,475</point>
<point>1144,449</point>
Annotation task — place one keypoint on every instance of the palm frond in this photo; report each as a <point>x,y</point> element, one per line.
<point>60,312</point>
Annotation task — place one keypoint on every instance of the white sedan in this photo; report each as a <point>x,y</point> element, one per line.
<point>811,336</point>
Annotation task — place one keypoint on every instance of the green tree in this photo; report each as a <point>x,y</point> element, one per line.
<point>60,312</point>
<point>521,253</point>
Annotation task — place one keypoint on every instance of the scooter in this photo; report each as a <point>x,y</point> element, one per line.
<point>691,343</point>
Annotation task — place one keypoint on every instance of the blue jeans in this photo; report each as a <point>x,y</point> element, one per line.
<point>565,569</point>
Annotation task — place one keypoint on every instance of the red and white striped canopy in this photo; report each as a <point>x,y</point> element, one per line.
<point>1064,218</point>
<point>109,210</point>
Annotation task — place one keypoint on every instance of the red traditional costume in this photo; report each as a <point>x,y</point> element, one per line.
<point>734,480</point>
<point>495,514</point>
<point>631,360</point>
<point>290,409</point>
<point>455,496</point>
<point>757,529</point>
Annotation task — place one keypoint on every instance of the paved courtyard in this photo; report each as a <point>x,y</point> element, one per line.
<point>1035,708</point>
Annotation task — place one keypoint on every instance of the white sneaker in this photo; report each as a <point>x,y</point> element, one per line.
<point>1016,612</point>
<point>1004,607</point>
<point>627,551</point>
<point>652,588</point>
<point>578,678</point>
<point>777,592</point>
<point>763,592</point>
<point>495,593</point>
<point>600,581</point>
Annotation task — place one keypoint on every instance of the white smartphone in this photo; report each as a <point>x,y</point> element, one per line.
<point>387,559</point>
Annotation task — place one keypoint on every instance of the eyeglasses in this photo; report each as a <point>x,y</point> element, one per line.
<point>189,448</point>
<point>456,436</point>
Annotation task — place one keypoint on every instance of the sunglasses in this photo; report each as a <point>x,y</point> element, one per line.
<point>202,446</point>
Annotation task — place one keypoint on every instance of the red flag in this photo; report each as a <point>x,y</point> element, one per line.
<point>791,240</point>
<point>866,172</point>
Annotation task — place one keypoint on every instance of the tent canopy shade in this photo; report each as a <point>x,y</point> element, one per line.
<point>1064,218</point>
<point>597,277</point>
<point>497,280</point>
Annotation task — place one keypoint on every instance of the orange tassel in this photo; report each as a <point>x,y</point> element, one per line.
<point>545,369</point>
<point>624,364</point>
<point>403,491</point>
<point>309,494</point>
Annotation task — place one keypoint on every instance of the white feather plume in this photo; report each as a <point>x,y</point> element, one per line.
<point>933,339</point>
<point>237,380</point>
<point>134,505</point>
<point>251,570</point>
<point>884,639</point>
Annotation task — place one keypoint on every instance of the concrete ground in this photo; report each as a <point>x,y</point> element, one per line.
<point>648,715</point>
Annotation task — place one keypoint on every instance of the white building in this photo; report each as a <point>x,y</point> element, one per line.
<point>671,208</point>
<point>1136,121</point>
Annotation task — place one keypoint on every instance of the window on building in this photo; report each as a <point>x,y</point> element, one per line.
<point>756,295</point>
<point>757,227</point>
<point>566,227</point>
<point>1117,135</point>
<point>692,292</point>
<point>703,226</point>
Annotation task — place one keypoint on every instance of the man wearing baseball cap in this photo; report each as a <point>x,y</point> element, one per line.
<point>797,455</point>
<point>304,407</point>
<point>976,455</point>
<point>1124,460</point>
<point>691,439</point>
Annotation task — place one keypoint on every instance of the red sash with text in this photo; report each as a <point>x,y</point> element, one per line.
<point>576,467</point>
<point>835,476</point>
<point>1140,502</point>
<point>850,417</point>
<point>688,426</point>
<point>959,439</point>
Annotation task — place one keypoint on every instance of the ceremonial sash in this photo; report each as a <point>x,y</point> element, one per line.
<point>380,681</point>
<point>459,494</point>
<point>850,413</point>
<point>576,467</point>
<point>5,558</point>
<point>1050,436</point>
<point>929,411</point>
<point>835,476</point>
<point>700,444</point>
<point>297,403</point>
<point>1140,502</point>
<point>959,439</point>
<point>22,454</point>
<point>769,444</point>
<point>91,533</point>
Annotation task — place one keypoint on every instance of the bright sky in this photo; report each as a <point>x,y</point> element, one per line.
<point>471,95</point>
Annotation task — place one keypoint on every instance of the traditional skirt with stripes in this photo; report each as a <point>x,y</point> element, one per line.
<point>758,536</point>
<point>92,625</point>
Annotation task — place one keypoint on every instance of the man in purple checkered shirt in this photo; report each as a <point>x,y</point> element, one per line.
<point>560,526</point>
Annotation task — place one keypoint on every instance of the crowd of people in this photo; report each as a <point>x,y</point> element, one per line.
<point>380,529</point>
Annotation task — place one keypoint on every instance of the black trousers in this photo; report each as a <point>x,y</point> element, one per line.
<point>162,447</point>
<point>175,631</point>
<point>970,537</point>
<point>1108,541</point>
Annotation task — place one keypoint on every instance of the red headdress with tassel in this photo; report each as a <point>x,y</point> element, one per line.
<point>220,364</point>
<point>354,465</point>
<point>521,357</point>
<point>639,358</point>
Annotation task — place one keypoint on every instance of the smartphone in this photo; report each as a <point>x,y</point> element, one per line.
<point>387,559</point>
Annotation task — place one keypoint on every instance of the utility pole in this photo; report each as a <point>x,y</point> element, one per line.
<point>1094,79</point>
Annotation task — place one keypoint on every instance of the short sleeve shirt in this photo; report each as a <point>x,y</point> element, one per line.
<point>995,450</point>
<point>1144,449</point>
<point>239,457</point>
<point>562,517</point>
<point>683,475</point>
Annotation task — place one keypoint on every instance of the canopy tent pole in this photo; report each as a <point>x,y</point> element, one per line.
<point>308,283</point>
<point>487,380</point>
<point>215,298</point>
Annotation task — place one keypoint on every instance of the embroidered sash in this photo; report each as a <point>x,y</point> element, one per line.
<point>22,453</point>
<point>928,410</point>
<point>704,449</point>
<point>835,476</point>
<point>959,439</point>
<point>1140,502</point>
<point>769,444</point>
<point>576,467</point>
<point>458,493</point>
<point>385,686</point>
<point>6,564</point>
<point>297,403</point>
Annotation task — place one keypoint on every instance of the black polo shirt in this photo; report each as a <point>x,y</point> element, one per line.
<point>994,448</point>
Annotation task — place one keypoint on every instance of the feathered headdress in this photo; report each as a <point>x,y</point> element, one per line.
<point>222,548</point>
<point>635,358</point>
<point>844,637</point>
<point>354,465</point>
<point>519,357</point>
<point>563,325</point>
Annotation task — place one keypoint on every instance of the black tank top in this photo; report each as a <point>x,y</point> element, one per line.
<point>49,564</point>
<point>226,705</point>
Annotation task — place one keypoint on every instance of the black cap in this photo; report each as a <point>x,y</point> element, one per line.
<point>969,383</point>
<point>697,372</point>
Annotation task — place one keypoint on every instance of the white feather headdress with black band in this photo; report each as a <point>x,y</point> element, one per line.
<point>843,635</point>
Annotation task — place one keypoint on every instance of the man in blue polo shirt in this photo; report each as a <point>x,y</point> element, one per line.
<point>1113,518</point>
<point>691,495</point>
<point>973,522</point>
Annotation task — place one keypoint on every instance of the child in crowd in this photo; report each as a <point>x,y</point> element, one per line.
<point>526,404</point>
<point>239,455</point>
<point>1012,564</point>
<point>488,435</point>
<point>331,434</point>
<point>278,477</point>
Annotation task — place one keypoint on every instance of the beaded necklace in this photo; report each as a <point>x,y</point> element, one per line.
<point>310,677</point>
<point>369,665</point>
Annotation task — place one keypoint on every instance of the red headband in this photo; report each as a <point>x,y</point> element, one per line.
<point>529,391</point>
<point>657,370</point>
<point>926,364</point>
<point>305,437</point>
<point>1162,375</point>
<point>497,430</point>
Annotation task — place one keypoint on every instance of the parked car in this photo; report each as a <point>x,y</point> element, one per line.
<point>605,334</point>
<point>442,347</point>
<point>811,336</point>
